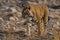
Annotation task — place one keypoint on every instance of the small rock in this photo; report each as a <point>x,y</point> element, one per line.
<point>13,10</point>
<point>7,17</point>
<point>12,18</point>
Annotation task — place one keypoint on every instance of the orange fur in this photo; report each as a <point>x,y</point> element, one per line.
<point>40,11</point>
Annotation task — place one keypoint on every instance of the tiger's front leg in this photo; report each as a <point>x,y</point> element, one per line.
<point>46,12</point>
<point>40,27</point>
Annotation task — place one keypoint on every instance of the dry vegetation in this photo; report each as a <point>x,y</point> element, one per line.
<point>14,27</point>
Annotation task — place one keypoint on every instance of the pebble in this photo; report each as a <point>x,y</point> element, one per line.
<point>12,19</point>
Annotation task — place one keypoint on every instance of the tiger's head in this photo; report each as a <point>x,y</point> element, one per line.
<point>25,6</point>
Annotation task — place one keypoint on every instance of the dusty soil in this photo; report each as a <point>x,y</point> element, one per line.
<point>14,27</point>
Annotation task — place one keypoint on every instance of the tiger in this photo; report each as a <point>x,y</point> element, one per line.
<point>41,12</point>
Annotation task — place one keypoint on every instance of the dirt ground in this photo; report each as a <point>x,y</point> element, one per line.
<point>14,27</point>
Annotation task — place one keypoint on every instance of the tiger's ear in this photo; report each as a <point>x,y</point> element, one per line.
<point>26,6</point>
